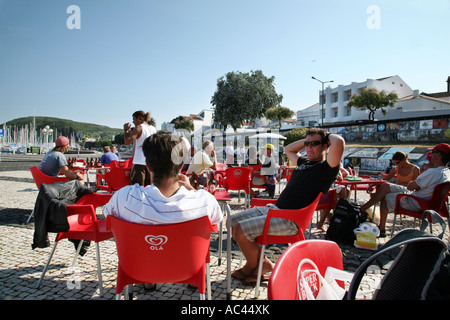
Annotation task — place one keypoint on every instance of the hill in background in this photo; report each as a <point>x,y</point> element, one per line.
<point>67,127</point>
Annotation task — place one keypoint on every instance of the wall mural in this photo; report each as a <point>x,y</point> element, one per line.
<point>378,159</point>
<point>415,130</point>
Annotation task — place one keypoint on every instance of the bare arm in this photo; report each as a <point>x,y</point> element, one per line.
<point>413,186</point>
<point>292,150</point>
<point>336,150</point>
<point>64,170</point>
<point>131,134</point>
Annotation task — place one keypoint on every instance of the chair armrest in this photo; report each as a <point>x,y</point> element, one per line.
<point>95,199</point>
<point>423,203</point>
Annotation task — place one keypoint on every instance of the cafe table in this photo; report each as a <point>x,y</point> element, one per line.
<point>354,181</point>
<point>79,166</point>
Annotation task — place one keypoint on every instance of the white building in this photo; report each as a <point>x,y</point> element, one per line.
<point>335,100</point>
<point>202,121</point>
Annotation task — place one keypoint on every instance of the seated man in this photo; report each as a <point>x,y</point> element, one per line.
<point>108,156</point>
<point>421,187</point>
<point>269,169</point>
<point>55,163</point>
<point>169,199</point>
<point>313,174</point>
<point>202,161</point>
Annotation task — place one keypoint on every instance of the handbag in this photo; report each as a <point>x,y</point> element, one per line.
<point>311,285</point>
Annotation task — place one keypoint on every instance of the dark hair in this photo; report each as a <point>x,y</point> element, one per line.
<point>142,115</point>
<point>158,151</point>
<point>399,156</point>
<point>445,157</point>
<point>323,134</point>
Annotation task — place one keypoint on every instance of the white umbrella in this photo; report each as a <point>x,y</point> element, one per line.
<point>268,136</point>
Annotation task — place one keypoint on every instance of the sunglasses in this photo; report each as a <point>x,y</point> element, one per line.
<point>312,143</point>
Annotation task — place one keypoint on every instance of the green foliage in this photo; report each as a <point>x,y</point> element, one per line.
<point>294,135</point>
<point>67,127</point>
<point>373,100</point>
<point>183,123</point>
<point>243,97</point>
<point>279,113</point>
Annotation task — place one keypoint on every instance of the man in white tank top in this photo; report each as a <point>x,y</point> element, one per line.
<point>137,135</point>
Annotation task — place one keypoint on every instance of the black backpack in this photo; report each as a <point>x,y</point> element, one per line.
<point>347,217</point>
<point>421,271</point>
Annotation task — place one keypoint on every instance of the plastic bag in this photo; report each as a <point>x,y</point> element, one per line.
<point>311,285</point>
<point>366,236</point>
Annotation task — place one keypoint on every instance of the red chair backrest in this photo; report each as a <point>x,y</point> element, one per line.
<point>161,253</point>
<point>122,164</point>
<point>117,177</point>
<point>255,167</point>
<point>327,201</point>
<point>283,281</point>
<point>40,178</point>
<point>439,198</point>
<point>237,178</point>
<point>82,219</point>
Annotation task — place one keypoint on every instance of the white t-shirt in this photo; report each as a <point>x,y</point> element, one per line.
<point>430,179</point>
<point>199,163</point>
<point>138,156</point>
<point>146,205</point>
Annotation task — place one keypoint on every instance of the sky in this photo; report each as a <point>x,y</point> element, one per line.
<point>107,59</point>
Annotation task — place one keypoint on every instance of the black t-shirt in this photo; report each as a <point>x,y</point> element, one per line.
<point>307,180</point>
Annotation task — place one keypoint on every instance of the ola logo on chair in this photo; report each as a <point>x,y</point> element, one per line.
<point>156,242</point>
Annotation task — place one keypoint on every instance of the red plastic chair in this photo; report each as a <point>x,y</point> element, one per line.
<point>122,163</point>
<point>238,178</point>
<point>302,217</point>
<point>438,203</point>
<point>115,178</point>
<point>40,177</point>
<point>172,253</point>
<point>83,225</point>
<point>256,168</point>
<point>322,205</point>
<point>283,281</point>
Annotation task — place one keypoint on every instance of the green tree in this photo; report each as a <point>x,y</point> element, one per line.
<point>373,101</point>
<point>279,113</point>
<point>243,97</point>
<point>183,123</point>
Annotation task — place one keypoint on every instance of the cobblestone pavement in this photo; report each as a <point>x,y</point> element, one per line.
<point>20,266</point>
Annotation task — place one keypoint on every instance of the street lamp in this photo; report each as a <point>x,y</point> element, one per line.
<point>322,82</point>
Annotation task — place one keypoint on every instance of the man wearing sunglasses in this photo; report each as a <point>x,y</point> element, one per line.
<point>314,174</point>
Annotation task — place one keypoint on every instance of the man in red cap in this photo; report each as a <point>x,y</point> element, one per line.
<point>421,187</point>
<point>54,162</point>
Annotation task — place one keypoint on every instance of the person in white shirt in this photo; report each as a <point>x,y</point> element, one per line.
<point>229,151</point>
<point>422,186</point>
<point>202,161</point>
<point>141,130</point>
<point>171,198</point>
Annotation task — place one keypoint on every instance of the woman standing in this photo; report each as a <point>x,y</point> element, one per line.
<point>137,135</point>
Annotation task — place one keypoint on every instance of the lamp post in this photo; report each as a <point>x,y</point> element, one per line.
<point>322,82</point>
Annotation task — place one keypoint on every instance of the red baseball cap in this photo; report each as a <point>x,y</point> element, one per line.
<point>443,147</point>
<point>62,141</point>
